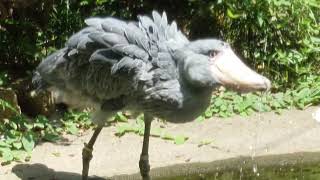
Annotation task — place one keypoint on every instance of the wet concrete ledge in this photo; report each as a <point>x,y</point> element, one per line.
<point>232,164</point>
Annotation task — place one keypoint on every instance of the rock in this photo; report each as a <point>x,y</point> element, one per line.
<point>9,96</point>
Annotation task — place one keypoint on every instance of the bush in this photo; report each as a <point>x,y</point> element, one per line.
<point>277,37</point>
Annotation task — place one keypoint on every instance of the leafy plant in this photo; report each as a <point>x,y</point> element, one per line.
<point>74,121</point>
<point>120,117</point>
<point>277,37</point>
<point>4,104</point>
<point>227,103</point>
<point>138,128</point>
<point>19,135</point>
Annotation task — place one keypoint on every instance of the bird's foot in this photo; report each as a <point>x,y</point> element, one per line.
<point>144,167</point>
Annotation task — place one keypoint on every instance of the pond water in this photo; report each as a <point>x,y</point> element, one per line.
<point>297,172</point>
<point>294,166</point>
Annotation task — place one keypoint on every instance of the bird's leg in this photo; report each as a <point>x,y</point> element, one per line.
<point>87,152</point>
<point>144,157</point>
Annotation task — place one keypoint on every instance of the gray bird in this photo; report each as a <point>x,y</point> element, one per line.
<point>145,66</point>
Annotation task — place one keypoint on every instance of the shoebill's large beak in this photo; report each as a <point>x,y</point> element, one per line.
<point>231,72</point>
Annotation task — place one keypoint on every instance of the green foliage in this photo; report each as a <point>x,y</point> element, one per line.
<point>227,103</point>
<point>74,121</point>
<point>19,135</point>
<point>120,117</point>
<point>138,128</point>
<point>5,105</point>
<point>278,37</point>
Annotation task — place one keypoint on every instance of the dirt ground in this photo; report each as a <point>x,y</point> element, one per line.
<point>257,135</point>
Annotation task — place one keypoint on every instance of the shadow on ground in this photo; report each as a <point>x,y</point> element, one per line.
<point>42,172</point>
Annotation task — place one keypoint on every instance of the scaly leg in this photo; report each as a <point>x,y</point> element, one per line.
<point>87,152</point>
<point>144,157</point>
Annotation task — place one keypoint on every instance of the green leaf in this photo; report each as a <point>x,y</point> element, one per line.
<point>300,105</point>
<point>7,156</point>
<point>13,125</point>
<point>156,132</point>
<point>223,107</point>
<point>28,142</point>
<point>258,106</point>
<point>244,114</point>
<point>232,15</point>
<point>120,117</point>
<point>84,2</point>
<point>17,145</point>
<point>200,119</point>
<point>208,113</point>
<point>123,128</point>
<point>5,105</point>
<point>71,128</point>
<point>4,149</point>
<point>167,136</point>
<point>101,2</point>
<point>19,154</point>
<point>38,125</point>
<point>218,102</point>
<point>305,92</point>
<point>4,144</point>
<point>28,126</point>
<point>180,139</point>
<point>51,137</point>
<point>260,20</point>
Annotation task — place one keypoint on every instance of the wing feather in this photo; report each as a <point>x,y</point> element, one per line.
<point>111,57</point>
<point>98,37</point>
<point>104,56</point>
<point>135,36</point>
<point>114,25</point>
<point>114,39</point>
<point>131,50</point>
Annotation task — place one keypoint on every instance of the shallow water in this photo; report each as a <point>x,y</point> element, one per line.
<point>294,166</point>
<point>296,172</point>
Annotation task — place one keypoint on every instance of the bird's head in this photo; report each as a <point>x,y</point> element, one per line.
<point>210,62</point>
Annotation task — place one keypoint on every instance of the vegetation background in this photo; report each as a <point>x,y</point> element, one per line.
<point>278,38</point>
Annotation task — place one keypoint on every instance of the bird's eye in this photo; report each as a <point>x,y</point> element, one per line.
<point>213,53</point>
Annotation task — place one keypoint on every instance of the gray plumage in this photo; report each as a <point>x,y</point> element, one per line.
<point>146,66</point>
